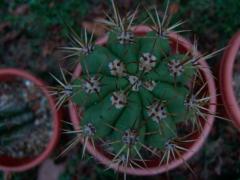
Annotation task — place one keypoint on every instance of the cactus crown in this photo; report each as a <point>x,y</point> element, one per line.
<point>134,90</point>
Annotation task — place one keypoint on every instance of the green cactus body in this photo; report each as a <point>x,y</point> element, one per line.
<point>136,92</point>
<point>133,90</point>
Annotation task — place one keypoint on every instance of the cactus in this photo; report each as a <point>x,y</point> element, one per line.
<point>134,91</point>
<point>25,128</point>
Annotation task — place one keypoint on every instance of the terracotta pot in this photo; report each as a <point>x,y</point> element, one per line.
<point>228,97</point>
<point>9,164</point>
<point>153,167</point>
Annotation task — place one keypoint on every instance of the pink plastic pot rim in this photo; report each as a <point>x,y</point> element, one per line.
<point>56,123</point>
<point>194,148</point>
<point>226,78</point>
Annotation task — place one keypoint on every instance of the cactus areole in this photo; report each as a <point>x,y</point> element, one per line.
<point>131,91</point>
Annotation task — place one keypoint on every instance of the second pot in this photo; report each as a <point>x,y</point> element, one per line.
<point>10,164</point>
<point>226,73</point>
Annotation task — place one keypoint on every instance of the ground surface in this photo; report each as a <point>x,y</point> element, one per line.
<point>31,31</point>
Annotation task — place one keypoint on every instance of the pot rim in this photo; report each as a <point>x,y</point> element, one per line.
<point>196,145</point>
<point>226,79</point>
<point>12,73</point>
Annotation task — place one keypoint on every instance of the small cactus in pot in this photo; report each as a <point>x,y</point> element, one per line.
<point>134,92</point>
<point>25,128</point>
<point>29,122</point>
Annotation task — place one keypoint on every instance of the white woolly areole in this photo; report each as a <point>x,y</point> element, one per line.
<point>89,130</point>
<point>157,111</point>
<point>190,102</point>
<point>119,99</point>
<point>175,68</point>
<point>87,49</point>
<point>130,137</point>
<point>147,62</point>
<point>125,37</point>
<point>135,82</point>
<point>68,90</point>
<point>117,68</point>
<point>149,85</point>
<point>92,85</point>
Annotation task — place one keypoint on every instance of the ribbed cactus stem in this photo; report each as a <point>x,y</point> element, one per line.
<point>134,91</point>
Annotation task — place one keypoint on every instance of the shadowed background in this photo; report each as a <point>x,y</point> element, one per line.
<point>32,30</point>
